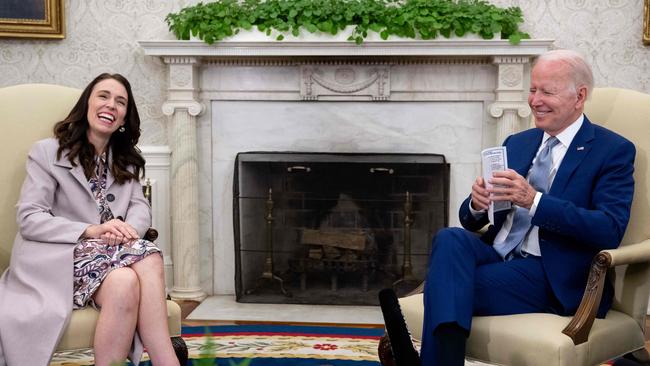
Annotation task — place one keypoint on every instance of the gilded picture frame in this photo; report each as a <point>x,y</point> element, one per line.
<point>646,22</point>
<point>32,19</point>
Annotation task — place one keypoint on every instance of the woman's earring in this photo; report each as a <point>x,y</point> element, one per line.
<point>122,129</point>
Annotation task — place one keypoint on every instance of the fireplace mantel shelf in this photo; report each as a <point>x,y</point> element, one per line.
<point>462,47</point>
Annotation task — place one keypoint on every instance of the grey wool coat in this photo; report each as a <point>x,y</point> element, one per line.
<point>55,207</point>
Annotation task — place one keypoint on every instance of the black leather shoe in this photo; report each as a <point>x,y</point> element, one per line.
<point>404,352</point>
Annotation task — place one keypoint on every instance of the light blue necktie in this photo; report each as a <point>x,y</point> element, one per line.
<point>539,179</point>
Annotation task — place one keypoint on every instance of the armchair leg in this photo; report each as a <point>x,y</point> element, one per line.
<point>385,352</point>
<point>180,348</point>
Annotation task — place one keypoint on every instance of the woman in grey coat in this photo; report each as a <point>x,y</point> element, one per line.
<point>81,217</point>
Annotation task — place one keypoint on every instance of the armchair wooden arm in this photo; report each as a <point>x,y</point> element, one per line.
<point>580,326</point>
<point>151,234</point>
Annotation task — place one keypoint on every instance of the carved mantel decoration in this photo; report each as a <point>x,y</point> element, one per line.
<point>491,72</point>
<point>365,81</point>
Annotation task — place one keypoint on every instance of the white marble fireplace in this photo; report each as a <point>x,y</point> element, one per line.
<point>451,97</point>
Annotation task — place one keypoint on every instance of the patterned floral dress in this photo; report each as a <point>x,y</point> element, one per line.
<point>93,259</point>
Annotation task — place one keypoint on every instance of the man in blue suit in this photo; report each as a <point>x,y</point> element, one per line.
<point>582,207</point>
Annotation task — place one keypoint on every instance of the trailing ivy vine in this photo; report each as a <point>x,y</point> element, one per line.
<point>425,19</point>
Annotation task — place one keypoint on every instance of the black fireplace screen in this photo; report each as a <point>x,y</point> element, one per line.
<point>317,228</point>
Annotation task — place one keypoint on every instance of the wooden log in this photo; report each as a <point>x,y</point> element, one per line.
<point>353,240</point>
<point>316,253</point>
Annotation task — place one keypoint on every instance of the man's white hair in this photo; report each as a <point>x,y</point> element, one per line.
<point>579,69</point>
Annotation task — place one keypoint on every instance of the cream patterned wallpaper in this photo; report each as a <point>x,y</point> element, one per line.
<point>607,32</point>
<point>102,36</point>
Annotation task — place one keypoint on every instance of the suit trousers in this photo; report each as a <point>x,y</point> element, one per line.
<point>467,277</point>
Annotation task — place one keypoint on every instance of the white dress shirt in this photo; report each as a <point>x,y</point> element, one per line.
<point>531,241</point>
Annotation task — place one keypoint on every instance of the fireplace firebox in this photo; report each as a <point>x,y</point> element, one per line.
<point>334,228</point>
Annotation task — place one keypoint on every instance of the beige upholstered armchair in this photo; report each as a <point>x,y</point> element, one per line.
<point>552,340</point>
<point>28,113</point>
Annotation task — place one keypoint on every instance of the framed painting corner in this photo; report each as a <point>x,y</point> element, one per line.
<point>39,19</point>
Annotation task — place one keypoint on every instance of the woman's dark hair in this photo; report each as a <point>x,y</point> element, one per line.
<point>72,136</point>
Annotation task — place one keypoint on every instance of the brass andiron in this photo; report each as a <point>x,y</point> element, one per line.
<point>146,190</point>
<point>407,267</point>
<point>267,274</point>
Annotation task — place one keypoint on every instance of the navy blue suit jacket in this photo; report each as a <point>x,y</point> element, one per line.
<point>586,210</point>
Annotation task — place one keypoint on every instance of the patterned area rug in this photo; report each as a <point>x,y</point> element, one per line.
<point>262,345</point>
<point>268,345</point>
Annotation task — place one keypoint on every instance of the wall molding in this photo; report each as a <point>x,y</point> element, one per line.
<point>157,171</point>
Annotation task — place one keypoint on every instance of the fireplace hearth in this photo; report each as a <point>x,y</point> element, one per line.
<point>327,228</point>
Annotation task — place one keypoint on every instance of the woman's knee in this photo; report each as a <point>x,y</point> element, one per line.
<point>155,260</point>
<point>151,264</point>
<point>122,287</point>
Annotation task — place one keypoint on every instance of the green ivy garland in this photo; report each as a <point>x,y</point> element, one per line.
<point>426,19</point>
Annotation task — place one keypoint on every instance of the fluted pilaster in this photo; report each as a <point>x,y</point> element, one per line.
<point>183,108</point>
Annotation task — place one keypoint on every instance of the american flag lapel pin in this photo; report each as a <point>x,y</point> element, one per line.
<point>580,148</point>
